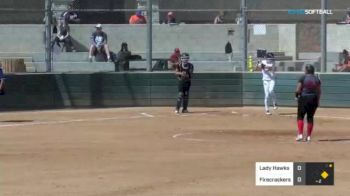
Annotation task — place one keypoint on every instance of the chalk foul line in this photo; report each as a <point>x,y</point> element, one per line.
<point>147,115</point>
<point>69,121</point>
<point>182,136</point>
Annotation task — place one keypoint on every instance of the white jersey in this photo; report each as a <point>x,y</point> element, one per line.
<point>268,72</point>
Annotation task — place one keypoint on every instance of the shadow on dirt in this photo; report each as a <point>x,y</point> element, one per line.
<point>16,121</point>
<point>335,140</point>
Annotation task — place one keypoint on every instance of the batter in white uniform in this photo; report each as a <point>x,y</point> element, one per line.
<point>267,67</point>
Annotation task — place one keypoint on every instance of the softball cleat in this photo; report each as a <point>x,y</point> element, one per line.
<point>299,138</point>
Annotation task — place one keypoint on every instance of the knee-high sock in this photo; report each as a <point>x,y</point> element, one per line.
<point>272,93</point>
<point>267,94</point>
<point>266,103</point>
<point>300,126</point>
<point>185,101</point>
<point>310,126</point>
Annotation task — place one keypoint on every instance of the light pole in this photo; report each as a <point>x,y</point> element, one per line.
<point>48,20</point>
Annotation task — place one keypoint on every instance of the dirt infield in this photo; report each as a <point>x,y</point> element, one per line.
<point>152,151</point>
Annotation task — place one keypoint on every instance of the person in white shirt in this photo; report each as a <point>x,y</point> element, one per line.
<point>219,19</point>
<point>267,67</point>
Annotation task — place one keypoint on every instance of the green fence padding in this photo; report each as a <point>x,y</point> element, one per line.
<point>33,91</point>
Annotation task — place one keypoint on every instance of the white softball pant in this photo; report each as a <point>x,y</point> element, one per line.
<point>269,86</point>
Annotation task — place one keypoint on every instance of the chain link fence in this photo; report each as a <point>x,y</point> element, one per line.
<point>213,33</point>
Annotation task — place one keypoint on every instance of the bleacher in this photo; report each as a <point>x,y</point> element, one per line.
<point>204,62</point>
<point>206,55</point>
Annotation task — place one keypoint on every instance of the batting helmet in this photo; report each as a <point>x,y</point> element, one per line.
<point>185,57</point>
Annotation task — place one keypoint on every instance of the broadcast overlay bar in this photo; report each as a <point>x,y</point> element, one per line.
<point>294,173</point>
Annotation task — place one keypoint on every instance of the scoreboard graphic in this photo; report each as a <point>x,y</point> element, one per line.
<point>294,173</point>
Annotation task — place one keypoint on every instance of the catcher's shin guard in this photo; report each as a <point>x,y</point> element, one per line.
<point>179,101</point>
<point>185,100</point>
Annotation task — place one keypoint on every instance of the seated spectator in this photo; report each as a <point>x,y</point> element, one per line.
<point>346,57</point>
<point>99,43</point>
<point>174,59</point>
<point>138,18</point>
<point>123,57</point>
<point>69,16</point>
<point>347,18</point>
<point>64,37</point>
<point>239,19</point>
<point>229,51</point>
<point>171,18</point>
<point>219,19</point>
<point>345,66</point>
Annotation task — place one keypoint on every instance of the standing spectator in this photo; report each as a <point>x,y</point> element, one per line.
<point>175,59</point>
<point>70,16</point>
<point>99,43</point>
<point>138,18</point>
<point>228,51</point>
<point>67,17</point>
<point>219,19</point>
<point>171,18</point>
<point>123,58</point>
<point>64,37</point>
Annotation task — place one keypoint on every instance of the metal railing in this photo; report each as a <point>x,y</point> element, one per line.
<point>244,31</point>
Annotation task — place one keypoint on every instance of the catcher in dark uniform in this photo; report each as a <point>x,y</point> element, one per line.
<point>308,94</point>
<point>184,73</point>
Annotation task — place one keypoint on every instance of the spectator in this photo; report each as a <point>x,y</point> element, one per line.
<point>346,19</point>
<point>346,57</point>
<point>171,18</point>
<point>69,16</point>
<point>174,59</point>
<point>2,81</point>
<point>345,66</point>
<point>228,51</point>
<point>138,18</point>
<point>123,58</point>
<point>239,19</point>
<point>219,19</point>
<point>64,37</point>
<point>99,43</point>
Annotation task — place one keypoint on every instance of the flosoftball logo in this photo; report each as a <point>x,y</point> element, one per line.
<point>310,12</point>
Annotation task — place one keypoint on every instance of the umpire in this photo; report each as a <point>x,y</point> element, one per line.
<point>308,94</point>
<point>184,73</point>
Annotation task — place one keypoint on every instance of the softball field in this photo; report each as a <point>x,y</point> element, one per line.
<point>153,152</point>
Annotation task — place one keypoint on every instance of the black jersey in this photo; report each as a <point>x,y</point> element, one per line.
<point>188,69</point>
<point>310,84</point>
